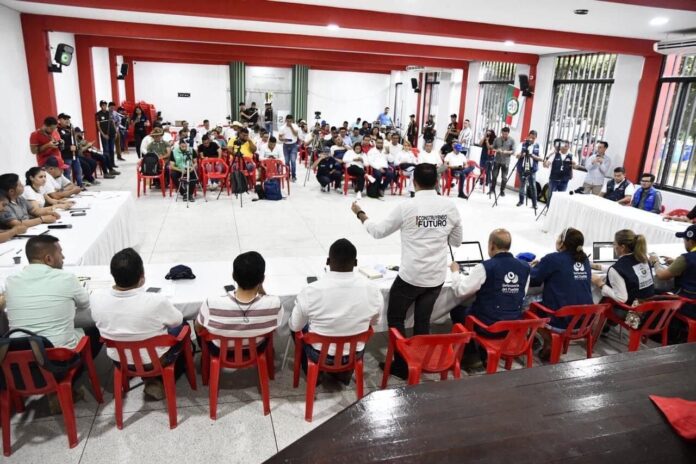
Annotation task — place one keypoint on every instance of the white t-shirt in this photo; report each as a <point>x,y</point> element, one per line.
<point>276,153</point>
<point>286,135</point>
<point>349,158</point>
<point>32,195</point>
<point>147,140</point>
<point>405,156</point>
<point>56,185</point>
<point>430,158</point>
<point>133,315</point>
<point>377,159</point>
<point>455,160</point>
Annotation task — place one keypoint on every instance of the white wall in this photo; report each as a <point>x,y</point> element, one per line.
<point>66,82</point>
<point>17,120</point>
<point>543,95</point>
<point>472,88</point>
<point>345,96</point>
<point>102,76</point>
<point>160,83</point>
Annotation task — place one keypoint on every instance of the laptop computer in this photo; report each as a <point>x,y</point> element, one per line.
<point>468,254</point>
<point>603,252</point>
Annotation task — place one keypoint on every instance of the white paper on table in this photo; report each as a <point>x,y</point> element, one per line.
<point>92,285</point>
<point>35,230</point>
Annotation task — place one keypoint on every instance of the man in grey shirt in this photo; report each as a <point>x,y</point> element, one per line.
<point>598,167</point>
<point>504,147</point>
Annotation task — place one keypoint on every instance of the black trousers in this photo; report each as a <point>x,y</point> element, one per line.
<point>497,168</point>
<point>359,174</point>
<point>138,141</point>
<point>179,179</point>
<point>333,177</point>
<point>401,296</point>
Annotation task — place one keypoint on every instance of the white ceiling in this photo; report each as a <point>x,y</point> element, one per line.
<point>317,31</point>
<point>604,18</point>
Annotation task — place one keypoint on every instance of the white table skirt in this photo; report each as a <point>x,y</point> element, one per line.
<point>94,238</point>
<point>599,219</point>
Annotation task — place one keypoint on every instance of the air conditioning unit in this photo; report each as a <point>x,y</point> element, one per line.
<point>673,47</point>
<point>414,68</point>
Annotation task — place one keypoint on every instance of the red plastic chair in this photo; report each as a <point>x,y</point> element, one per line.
<point>517,342</point>
<point>144,179</point>
<point>347,178</point>
<point>678,212</point>
<point>302,153</point>
<point>209,171</point>
<point>473,178</point>
<point>352,363</point>
<point>427,353</point>
<point>447,179</point>
<point>23,362</point>
<point>234,354</point>
<point>123,371</point>
<point>690,322</point>
<point>276,169</point>
<point>586,322</point>
<point>658,315</point>
<point>240,164</point>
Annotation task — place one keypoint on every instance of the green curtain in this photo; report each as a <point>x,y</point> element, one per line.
<point>300,75</point>
<point>237,87</point>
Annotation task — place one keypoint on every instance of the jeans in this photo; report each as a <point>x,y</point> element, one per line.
<point>384,178</point>
<point>528,179</point>
<point>497,168</point>
<point>290,153</point>
<point>462,174</point>
<point>333,177</point>
<point>556,186</point>
<point>359,174</point>
<point>73,165</point>
<point>108,149</point>
<point>124,139</point>
<point>268,126</point>
<point>89,166</point>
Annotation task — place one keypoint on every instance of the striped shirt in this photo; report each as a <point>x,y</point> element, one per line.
<point>228,317</point>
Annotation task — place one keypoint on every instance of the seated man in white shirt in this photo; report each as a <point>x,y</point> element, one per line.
<point>272,150</point>
<point>456,162</point>
<point>406,161</point>
<point>57,185</point>
<point>380,164</point>
<point>246,312</point>
<point>128,313</point>
<point>340,304</point>
<point>430,156</point>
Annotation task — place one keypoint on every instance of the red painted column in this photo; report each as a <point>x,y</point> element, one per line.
<point>85,78</point>
<point>642,115</point>
<point>38,52</point>
<point>115,97</point>
<point>130,80</point>
<point>462,98</point>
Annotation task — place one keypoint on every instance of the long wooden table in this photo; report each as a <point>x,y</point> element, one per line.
<point>594,410</point>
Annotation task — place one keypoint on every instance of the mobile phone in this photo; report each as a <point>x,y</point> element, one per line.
<point>153,290</point>
<point>60,226</point>
<point>229,288</point>
<point>78,213</point>
<point>311,279</point>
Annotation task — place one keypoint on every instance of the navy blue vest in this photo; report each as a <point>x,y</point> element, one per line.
<point>533,149</point>
<point>638,278</point>
<point>500,297</point>
<point>616,192</point>
<point>686,283</point>
<point>561,166</point>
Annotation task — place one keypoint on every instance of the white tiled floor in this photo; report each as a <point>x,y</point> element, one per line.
<point>306,223</point>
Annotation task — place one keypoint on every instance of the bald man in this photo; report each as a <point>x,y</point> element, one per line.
<point>499,284</point>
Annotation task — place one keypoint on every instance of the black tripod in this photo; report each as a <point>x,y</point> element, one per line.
<point>187,179</point>
<point>493,185</point>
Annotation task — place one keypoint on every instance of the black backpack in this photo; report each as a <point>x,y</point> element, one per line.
<point>372,190</point>
<point>239,182</point>
<point>151,165</point>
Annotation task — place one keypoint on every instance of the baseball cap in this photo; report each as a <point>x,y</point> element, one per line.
<point>53,162</point>
<point>458,146</point>
<point>689,233</point>
<point>63,116</point>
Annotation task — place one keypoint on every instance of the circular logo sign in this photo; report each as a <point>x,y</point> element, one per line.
<point>579,267</point>
<point>511,278</point>
<point>513,106</point>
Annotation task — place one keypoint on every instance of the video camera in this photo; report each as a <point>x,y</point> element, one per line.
<point>317,115</point>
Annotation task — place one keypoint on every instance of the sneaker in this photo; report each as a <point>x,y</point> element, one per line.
<point>463,195</point>
<point>115,172</point>
<point>519,204</point>
<point>191,199</point>
<point>358,195</point>
<point>413,194</point>
<point>381,193</point>
<point>109,176</point>
<point>154,390</point>
<point>502,193</point>
<point>294,179</point>
<point>213,187</point>
<point>96,182</point>
<point>121,158</point>
<point>86,183</point>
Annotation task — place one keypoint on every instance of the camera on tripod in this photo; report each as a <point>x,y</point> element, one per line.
<point>317,115</point>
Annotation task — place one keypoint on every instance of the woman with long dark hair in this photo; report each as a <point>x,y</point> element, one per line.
<point>487,154</point>
<point>140,124</point>
<point>36,193</point>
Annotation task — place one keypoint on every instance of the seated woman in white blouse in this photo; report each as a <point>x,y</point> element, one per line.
<point>36,192</point>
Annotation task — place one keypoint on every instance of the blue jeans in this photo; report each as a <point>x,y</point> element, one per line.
<point>384,178</point>
<point>528,179</point>
<point>290,153</point>
<point>108,149</point>
<point>73,164</point>
<point>556,186</point>
<point>269,127</point>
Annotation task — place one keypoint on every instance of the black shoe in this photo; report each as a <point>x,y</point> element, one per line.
<point>120,158</point>
<point>463,195</point>
<point>413,194</point>
<point>114,172</point>
<point>115,166</point>
<point>191,199</point>
<point>109,176</point>
<point>502,193</point>
<point>519,204</point>
<point>395,371</point>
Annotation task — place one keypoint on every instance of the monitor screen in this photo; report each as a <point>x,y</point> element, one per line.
<point>603,252</point>
<point>468,252</point>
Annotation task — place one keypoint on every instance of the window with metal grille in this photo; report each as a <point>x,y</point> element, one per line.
<point>670,151</point>
<point>581,88</point>
<point>493,87</point>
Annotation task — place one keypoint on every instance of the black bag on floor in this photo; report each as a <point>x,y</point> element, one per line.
<point>372,190</point>
<point>239,182</point>
<point>150,165</point>
<point>259,192</point>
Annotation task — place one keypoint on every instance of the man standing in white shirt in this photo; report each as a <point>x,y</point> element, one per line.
<point>598,167</point>
<point>428,224</point>
<point>465,136</point>
<point>128,313</point>
<point>288,135</point>
<point>340,304</point>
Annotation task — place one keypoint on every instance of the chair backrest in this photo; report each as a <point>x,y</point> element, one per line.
<point>582,318</point>
<point>138,367</point>
<point>657,314</point>
<point>235,352</point>
<point>434,353</point>
<point>678,212</point>
<point>23,370</point>
<point>214,163</point>
<point>338,365</point>
<point>520,334</point>
<point>272,167</point>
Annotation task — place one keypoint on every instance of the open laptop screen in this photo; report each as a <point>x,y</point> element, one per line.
<point>468,254</point>
<point>603,252</point>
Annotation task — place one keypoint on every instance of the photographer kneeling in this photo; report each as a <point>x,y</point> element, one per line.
<point>182,157</point>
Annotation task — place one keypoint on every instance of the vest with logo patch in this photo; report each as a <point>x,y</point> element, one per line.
<point>637,276</point>
<point>501,295</point>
